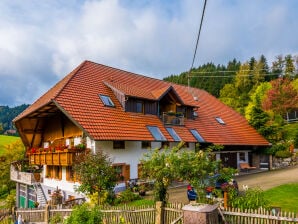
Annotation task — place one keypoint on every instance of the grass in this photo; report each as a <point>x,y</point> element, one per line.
<point>6,140</point>
<point>141,202</point>
<point>284,196</point>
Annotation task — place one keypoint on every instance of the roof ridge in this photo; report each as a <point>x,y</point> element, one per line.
<point>72,75</point>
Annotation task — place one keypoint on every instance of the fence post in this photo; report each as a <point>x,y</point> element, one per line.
<point>158,212</point>
<point>47,214</point>
<point>225,199</point>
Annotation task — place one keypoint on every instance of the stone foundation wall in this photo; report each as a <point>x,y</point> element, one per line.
<point>278,163</point>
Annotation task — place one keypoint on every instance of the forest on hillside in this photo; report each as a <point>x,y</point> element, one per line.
<point>7,114</point>
<point>266,95</point>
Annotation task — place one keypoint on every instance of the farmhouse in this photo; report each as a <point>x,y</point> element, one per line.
<point>97,107</point>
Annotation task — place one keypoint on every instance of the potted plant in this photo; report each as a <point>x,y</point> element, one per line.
<point>56,197</point>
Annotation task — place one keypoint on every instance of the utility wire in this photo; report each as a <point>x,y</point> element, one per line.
<point>198,37</point>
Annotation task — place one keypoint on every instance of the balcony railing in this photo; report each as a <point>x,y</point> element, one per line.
<point>173,118</point>
<point>61,158</point>
<point>25,177</point>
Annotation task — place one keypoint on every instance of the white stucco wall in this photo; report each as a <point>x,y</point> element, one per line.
<point>67,188</point>
<point>131,155</point>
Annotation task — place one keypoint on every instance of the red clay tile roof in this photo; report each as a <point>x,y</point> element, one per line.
<point>78,95</point>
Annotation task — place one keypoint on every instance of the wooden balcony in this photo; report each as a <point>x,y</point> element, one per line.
<point>28,178</point>
<point>63,158</point>
<point>173,118</point>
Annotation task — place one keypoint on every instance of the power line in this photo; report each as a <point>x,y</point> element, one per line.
<point>231,76</point>
<point>198,37</point>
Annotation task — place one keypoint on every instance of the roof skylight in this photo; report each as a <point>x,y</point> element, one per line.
<point>197,135</point>
<point>106,100</point>
<point>174,135</point>
<point>219,120</point>
<point>156,133</point>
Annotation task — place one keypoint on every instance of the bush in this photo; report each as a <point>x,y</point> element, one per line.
<point>127,196</point>
<point>296,140</point>
<point>10,200</point>
<point>283,154</point>
<point>84,214</point>
<point>278,147</point>
<point>253,198</point>
<point>56,219</point>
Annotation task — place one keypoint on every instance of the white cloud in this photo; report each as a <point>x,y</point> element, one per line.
<point>42,41</point>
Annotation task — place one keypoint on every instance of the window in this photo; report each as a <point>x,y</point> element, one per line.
<point>118,144</point>
<point>139,106</point>
<point>106,100</point>
<point>54,172</point>
<point>174,135</point>
<point>197,135</point>
<point>122,171</point>
<point>156,133</point>
<point>70,175</point>
<point>219,120</point>
<point>146,145</point>
<point>165,145</point>
<point>186,144</point>
<point>242,156</point>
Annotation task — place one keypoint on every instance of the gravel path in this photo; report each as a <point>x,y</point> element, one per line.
<point>265,180</point>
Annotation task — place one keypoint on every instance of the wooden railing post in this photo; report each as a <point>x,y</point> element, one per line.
<point>159,212</point>
<point>47,214</point>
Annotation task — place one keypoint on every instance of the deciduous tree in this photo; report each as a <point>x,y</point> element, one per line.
<point>282,97</point>
<point>96,174</point>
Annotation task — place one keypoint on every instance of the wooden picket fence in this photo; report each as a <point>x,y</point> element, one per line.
<point>169,214</point>
<point>259,216</point>
<point>140,214</point>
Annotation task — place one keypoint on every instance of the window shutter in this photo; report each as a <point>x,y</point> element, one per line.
<point>126,172</point>
<point>140,168</point>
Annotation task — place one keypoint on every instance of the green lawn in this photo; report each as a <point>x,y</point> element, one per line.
<point>284,196</point>
<point>6,140</point>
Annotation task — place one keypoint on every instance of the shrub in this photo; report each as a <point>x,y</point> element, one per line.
<point>10,200</point>
<point>253,198</point>
<point>296,140</point>
<point>84,214</point>
<point>277,147</point>
<point>127,196</point>
<point>56,219</point>
<point>283,154</point>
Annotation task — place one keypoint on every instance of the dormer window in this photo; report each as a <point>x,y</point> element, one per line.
<point>139,106</point>
<point>106,100</point>
<point>219,120</point>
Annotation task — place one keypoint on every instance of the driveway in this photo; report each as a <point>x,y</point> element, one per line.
<point>265,180</point>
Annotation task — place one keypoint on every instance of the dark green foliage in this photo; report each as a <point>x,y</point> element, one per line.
<point>85,214</point>
<point>296,139</point>
<point>7,114</point>
<point>209,77</point>
<point>277,147</point>
<point>283,154</point>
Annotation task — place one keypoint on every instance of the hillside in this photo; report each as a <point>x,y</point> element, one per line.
<point>7,114</point>
<point>6,140</point>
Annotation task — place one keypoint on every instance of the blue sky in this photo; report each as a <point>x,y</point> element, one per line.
<point>41,41</point>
